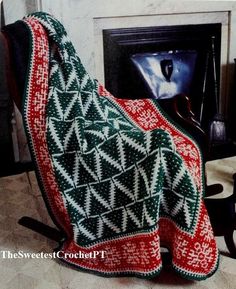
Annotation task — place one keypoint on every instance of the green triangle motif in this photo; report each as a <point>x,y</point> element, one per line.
<point>114,177</point>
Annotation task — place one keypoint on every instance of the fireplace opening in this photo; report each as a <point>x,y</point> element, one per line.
<point>160,62</point>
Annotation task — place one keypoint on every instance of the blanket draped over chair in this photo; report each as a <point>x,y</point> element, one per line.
<point>119,177</point>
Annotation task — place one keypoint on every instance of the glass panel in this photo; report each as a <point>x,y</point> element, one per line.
<point>166,73</point>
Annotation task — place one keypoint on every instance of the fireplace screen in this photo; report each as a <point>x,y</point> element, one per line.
<point>164,74</point>
<point>160,62</point>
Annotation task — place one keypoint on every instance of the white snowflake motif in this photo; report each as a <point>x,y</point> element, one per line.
<point>193,153</point>
<point>178,139</point>
<point>180,247</point>
<point>92,261</point>
<point>195,172</point>
<point>200,256</point>
<point>148,119</point>
<point>187,150</point>
<point>144,254</point>
<point>130,254</point>
<point>155,247</point>
<point>112,257</point>
<point>134,105</point>
<point>206,230</point>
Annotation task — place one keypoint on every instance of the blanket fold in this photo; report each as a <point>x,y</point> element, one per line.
<point>119,177</point>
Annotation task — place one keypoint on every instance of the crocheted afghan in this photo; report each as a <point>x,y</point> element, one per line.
<point>119,177</point>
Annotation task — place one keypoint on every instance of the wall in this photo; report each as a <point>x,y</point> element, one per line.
<point>17,9</point>
<point>85,20</point>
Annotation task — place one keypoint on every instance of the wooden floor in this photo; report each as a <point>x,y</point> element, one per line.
<point>19,195</point>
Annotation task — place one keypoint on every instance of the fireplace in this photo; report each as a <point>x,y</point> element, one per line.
<point>127,50</point>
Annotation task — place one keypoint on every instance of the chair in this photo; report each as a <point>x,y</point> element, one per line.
<point>173,71</point>
<point>179,109</point>
<point>221,211</point>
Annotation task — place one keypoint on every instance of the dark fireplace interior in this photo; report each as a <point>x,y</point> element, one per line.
<point>187,48</point>
<point>161,62</point>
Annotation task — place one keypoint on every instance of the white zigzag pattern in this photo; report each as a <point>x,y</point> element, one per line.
<point>54,69</point>
<point>156,171</point>
<point>71,104</point>
<point>179,176</point>
<point>88,201</point>
<point>90,171</point>
<point>133,143</point>
<point>120,122</point>
<point>111,225</point>
<point>145,178</point>
<point>109,109</point>
<point>117,123</point>
<point>65,39</point>
<point>99,198</point>
<point>121,150</point>
<point>78,135</point>
<point>68,135</point>
<point>74,62</point>
<point>54,135</point>
<point>87,104</point>
<point>136,183</point>
<point>84,81</point>
<point>85,231</point>
<point>145,215</point>
<point>167,173</point>
<point>126,213</point>
<point>56,101</point>
<point>76,170</point>
<point>180,206</point>
<point>109,159</point>
<point>59,168</point>
<point>100,228</point>
<point>71,79</point>
<point>124,220</point>
<point>124,189</point>
<point>112,194</point>
<point>177,208</point>
<point>148,141</point>
<point>70,200</point>
<point>96,103</point>
<point>187,214</point>
<point>98,166</point>
<point>106,131</point>
<point>76,231</point>
<point>61,78</point>
<point>164,202</point>
<point>139,173</point>
<point>133,217</point>
<point>96,133</point>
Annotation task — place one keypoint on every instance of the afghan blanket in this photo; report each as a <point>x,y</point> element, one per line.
<point>119,177</point>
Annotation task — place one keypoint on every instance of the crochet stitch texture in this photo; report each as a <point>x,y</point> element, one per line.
<point>117,175</point>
